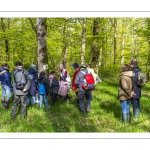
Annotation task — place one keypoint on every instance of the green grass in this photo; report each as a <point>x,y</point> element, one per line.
<point>105,115</point>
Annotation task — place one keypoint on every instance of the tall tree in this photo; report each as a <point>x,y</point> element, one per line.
<point>123,42</point>
<point>95,44</point>
<point>65,42</point>
<point>41,31</point>
<point>5,39</point>
<point>83,41</point>
<point>148,60</point>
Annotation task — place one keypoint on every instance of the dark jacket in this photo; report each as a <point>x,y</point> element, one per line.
<point>54,84</point>
<point>7,78</point>
<point>34,73</point>
<point>126,85</point>
<point>26,78</point>
<point>43,79</point>
<point>79,79</point>
<point>135,79</point>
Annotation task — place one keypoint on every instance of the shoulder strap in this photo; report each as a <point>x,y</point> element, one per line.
<point>83,72</point>
<point>21,76</point>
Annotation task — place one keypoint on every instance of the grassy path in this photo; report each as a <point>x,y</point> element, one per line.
<point>105,115</point>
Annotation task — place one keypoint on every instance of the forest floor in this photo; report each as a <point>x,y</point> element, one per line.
<point>104,117</point>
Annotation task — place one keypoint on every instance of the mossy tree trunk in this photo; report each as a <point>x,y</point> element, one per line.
<point>96,44</point>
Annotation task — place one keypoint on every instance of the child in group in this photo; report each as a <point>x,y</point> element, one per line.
<point>63,88</point>
<point>54,88</point>
<point>43,89</point>
<point>51,76</point>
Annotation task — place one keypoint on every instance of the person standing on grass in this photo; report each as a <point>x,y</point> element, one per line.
<point>22,82</point>
<point>63,88</point>
<point>136,100</point>
<point>82,93</point>
<point>126,91</point>
<point>6,85</point>
<point>55,89</point>
<point>31,97</point>
<point>64,72</point>
<point>43,90</point>
<point>51,76</point>
<point>74,87</point>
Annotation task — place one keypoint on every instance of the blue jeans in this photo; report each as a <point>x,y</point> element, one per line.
<point>6,92</point>
<point>30,99</point>
<point>41,97</point>
<point>135,103</point>
<point>125,105</point>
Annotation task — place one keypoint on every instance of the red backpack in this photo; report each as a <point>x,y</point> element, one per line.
<point>88,82</point>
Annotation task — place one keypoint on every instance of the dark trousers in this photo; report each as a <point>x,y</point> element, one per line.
<point>81,95</point>
<point>135,103</point>
<point>19,99</point>
<point>54,98</point>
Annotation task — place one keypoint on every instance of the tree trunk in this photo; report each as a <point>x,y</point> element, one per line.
<point>65,40</point>
<point>41,43</point>
<point>5,40</point>
<point>148,60</point>
<point>123,43</point>
<point>115,40</point>
<point>83,41</point>
<point>95,45</point>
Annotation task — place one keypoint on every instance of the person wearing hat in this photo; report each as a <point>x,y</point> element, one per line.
<point>82,93</point>
<point>136,99</point>
<point>6,85</point>
<point>22,82</point>
<point>74,87</point>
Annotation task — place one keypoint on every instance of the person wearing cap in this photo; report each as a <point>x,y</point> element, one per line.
<point>64,72</point>
<point>6,86</point>
<point>31,97</point>
<point>74,87</point>
<point>22,82</point>
<point>82,93</point>
<point>136,99</point>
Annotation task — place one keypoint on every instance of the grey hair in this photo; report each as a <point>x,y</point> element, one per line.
<point>61,65</point>
<point>33,65</point>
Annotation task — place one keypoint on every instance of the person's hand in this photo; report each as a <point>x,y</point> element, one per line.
<point>133,94</point>
<point>24,90</point>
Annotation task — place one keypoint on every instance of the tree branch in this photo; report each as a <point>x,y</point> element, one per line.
<point>33,26</point>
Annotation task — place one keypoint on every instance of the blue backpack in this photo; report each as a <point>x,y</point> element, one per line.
<point>41,88</point>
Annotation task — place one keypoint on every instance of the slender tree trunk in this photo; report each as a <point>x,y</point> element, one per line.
<point>148,60</point>
<point>123,43</point>
<point>5,40</point>
<point>83,41</point>
<point>95,45</point>
<point>65,39</point>
<point>41,42</point>
<point>115,40</point>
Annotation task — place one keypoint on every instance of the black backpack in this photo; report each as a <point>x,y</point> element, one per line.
<point>19,85</point>
<point>141,78</point>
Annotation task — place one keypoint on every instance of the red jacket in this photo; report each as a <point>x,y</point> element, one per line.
<point>73,80</point>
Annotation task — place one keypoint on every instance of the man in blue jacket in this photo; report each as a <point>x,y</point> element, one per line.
<point>136,99</point>
<point>6,86</point>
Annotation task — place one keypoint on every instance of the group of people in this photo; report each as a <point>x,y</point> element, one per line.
<point>129,91</point>
<point>32,87</point>
<point>28,84</point>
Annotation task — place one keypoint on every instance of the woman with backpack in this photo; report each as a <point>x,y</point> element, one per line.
<point>126,91</point>
<point>43,90</point>
<point>63,88</point>
<point>31,97</point>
